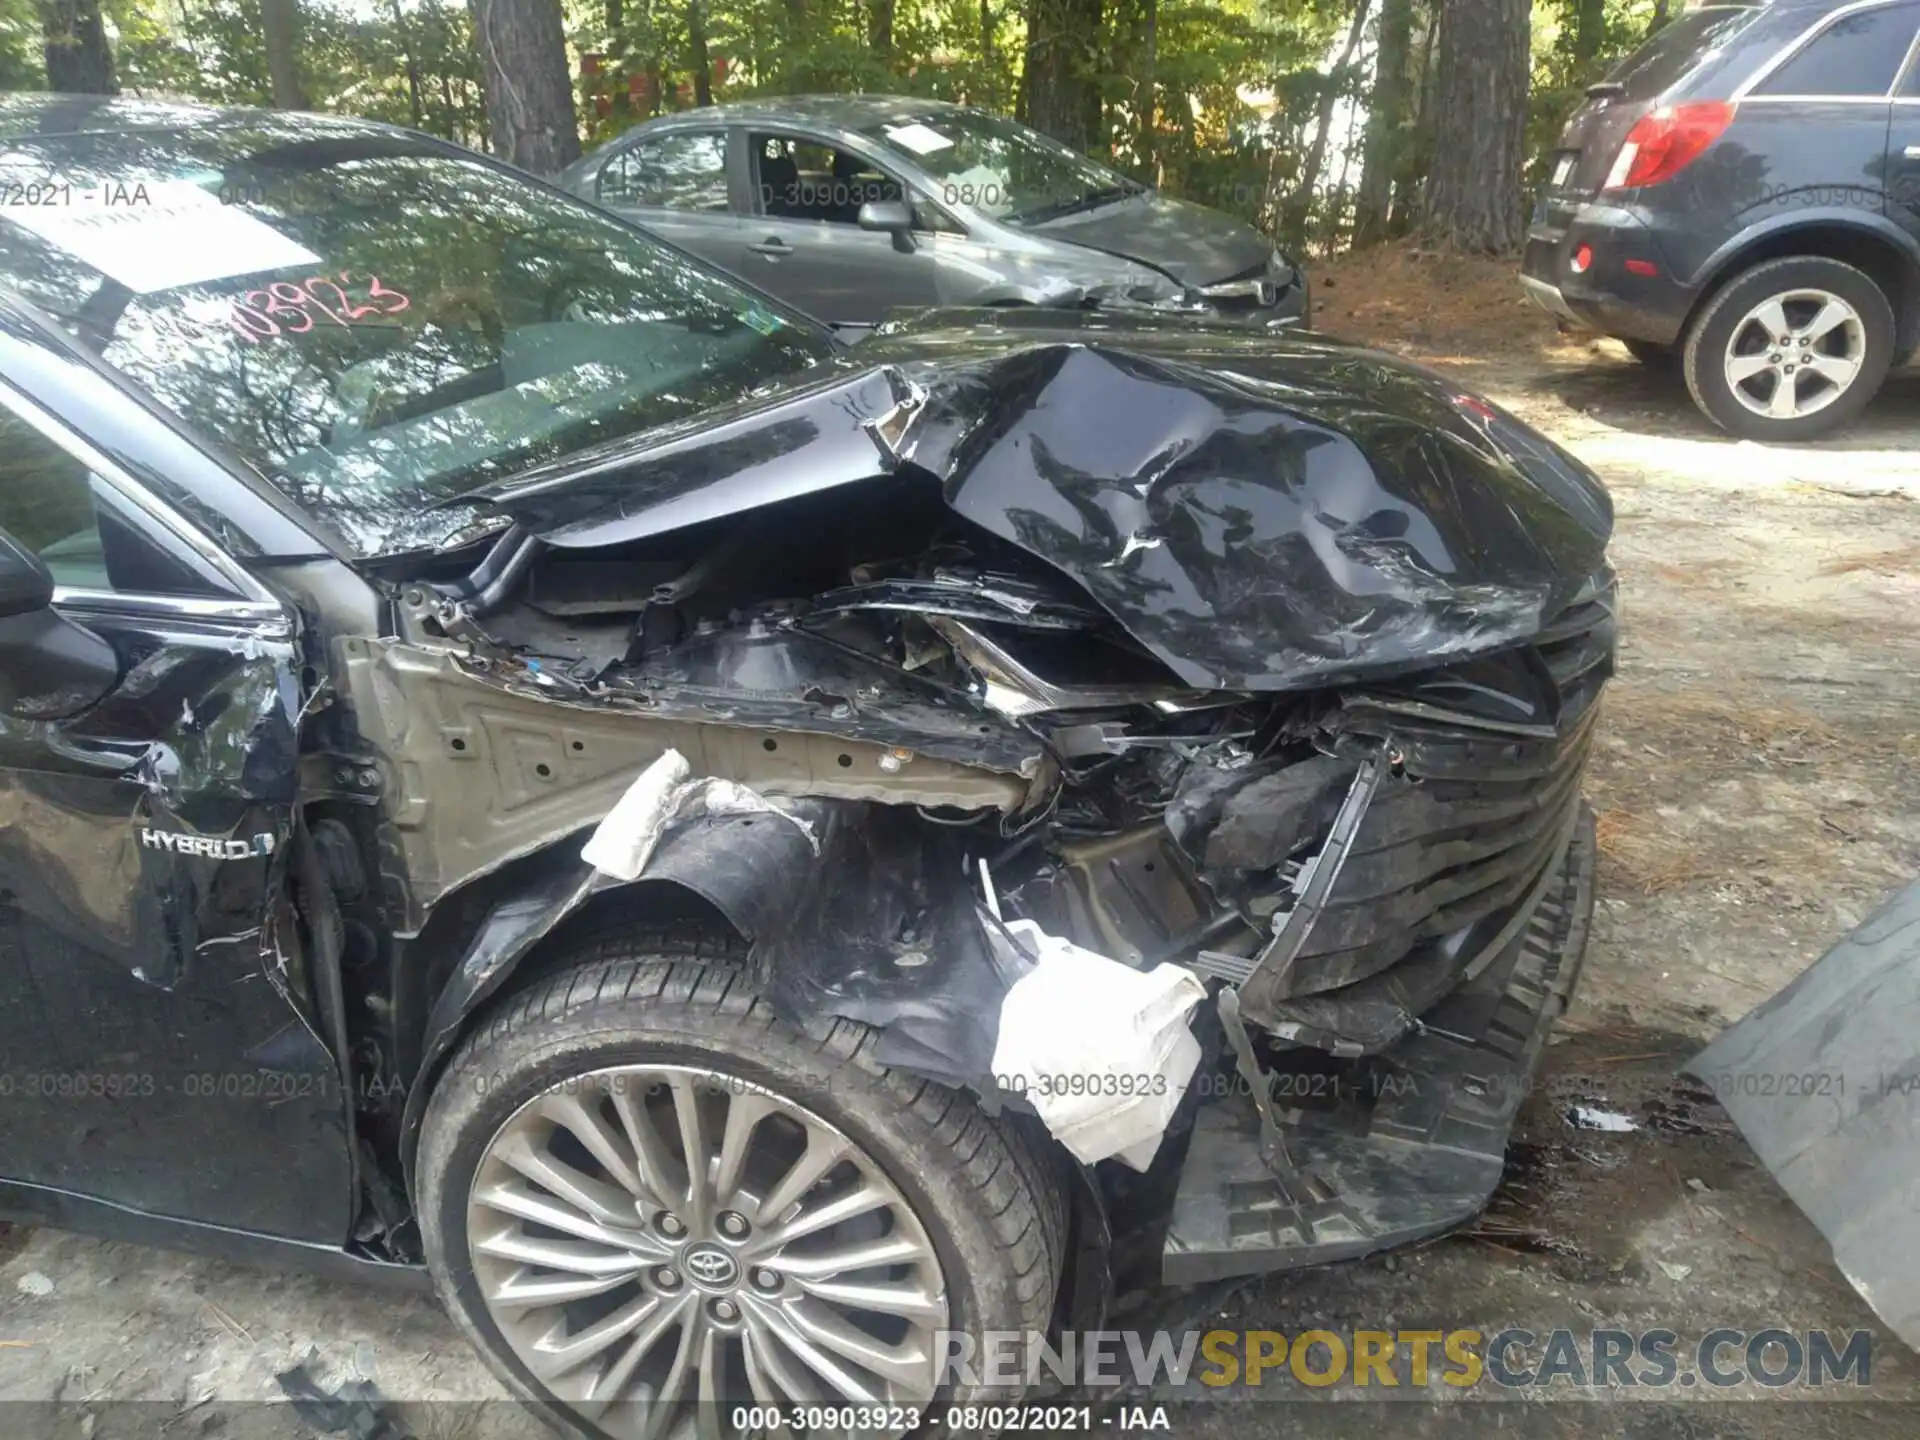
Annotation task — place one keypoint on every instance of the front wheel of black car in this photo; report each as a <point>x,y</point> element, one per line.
<point>1791,349</point>
<point>654,1207</point>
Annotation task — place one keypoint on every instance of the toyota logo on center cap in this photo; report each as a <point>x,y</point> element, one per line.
<point>710,1265</point>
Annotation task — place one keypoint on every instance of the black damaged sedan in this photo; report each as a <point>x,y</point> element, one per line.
<point>374,515</point>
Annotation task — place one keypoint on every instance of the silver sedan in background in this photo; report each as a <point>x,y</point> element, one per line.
<point>849,206</point>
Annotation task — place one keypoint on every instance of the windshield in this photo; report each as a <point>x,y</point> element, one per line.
<point>378,323</point>
<point>1676,48</point>
<point>1001,168</point>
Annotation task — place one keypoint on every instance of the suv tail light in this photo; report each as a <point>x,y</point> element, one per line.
<point>1664,142</point>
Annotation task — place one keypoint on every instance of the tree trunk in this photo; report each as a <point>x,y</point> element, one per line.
<point>697,52</point>
<point>1301,204</point>
<point>280,32</point>
<point>797,64</point>
<point>880,29</point>
<point>1659,15</point>
<point>1473,197</point>
<point>1059,90</point>
<point>1423,67</point>
<point>649,31</point>
<point>411,60</point>
<point>1589,32</point>
<point>79,61</point>
<point>1331,218</point>
<point>1145,99</point>
<point>616,16</point>
<point>1409,180</point>
<point>1386,122</point>
<point>523,59</point>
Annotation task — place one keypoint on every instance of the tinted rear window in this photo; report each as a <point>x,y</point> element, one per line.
<point>1677,48</point>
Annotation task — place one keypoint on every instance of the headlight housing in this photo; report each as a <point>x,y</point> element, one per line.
<point>1149,287</point>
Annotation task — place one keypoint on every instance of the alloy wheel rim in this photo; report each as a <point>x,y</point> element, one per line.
<point>649,1296</point>
<point>1795,353</point>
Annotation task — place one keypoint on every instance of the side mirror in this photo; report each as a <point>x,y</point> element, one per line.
<point>50,667</point>
<point>892,216</point>
<point>26,585</point>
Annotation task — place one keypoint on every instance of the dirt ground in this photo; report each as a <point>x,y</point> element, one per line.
<point>1759,796</point>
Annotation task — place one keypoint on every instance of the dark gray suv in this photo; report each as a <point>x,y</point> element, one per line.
<point>1742,195</point>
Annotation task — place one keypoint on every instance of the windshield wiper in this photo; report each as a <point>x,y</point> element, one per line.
<point>1092,200</point>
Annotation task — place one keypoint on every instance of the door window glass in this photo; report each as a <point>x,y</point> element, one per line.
<point>675,172</point>
<point>810,180</point>
<point>46,503</point>
<point>84,533</point>
<point>1857,54</point>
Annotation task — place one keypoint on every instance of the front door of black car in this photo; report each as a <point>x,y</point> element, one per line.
<point>157,1048</point>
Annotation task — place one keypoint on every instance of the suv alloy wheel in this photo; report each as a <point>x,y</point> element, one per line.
<point>1790,349</point>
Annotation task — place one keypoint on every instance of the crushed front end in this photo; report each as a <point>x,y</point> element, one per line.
<point>1280,667</point>
<point>1387,889</point>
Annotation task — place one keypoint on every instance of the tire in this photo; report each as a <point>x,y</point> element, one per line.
<point>978,1196</point>
<point>1653,355</point>
<point>1806,287</point>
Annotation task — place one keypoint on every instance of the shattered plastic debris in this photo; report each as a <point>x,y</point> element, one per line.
<point>623,843</point>
<point>1101,1051</point>
<point>1589,1117</point>
<point>356,1408</point>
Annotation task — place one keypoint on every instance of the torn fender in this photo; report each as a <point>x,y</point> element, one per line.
<point>1824,1081</point>
<point>855,913</point>
<point>858,912</point>
<point>511,928</point>
<point>716,861</point>
<point>883,928</point>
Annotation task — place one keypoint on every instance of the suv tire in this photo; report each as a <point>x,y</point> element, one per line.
<point>972,1209</point>
<point>1834,350</point>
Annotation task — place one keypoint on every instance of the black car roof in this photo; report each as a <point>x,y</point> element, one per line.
<point>24,115</point>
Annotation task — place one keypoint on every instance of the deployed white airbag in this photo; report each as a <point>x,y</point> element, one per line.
<point>662,794</point>
<point>1102,1051</point>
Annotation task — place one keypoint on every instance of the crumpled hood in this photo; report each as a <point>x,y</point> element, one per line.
<point>1261,513</point>
<point>1194,245</point>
